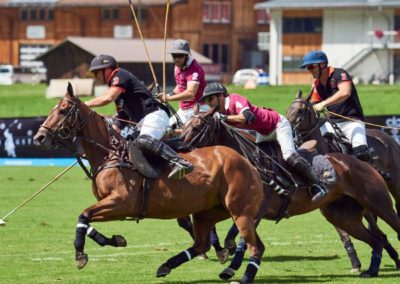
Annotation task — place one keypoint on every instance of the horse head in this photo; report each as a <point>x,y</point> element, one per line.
<point>65,120</point>
<point>302,115</point>
<point>200,130</point>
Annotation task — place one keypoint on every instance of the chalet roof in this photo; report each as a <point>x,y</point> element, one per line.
<point>322,4</point>
<point>125,50</point>
<point>85,3</point>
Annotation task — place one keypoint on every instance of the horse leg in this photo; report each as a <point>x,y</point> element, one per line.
<point>248,232</point>
<point>186,224</point>
<point>372,225</point>
<point>351,252</point>
<point>229,242</point>
<point>241,248</point>
<point>109,208</point>
<point>222,253</point>
<point>202,225</point>
<point>348,217</point>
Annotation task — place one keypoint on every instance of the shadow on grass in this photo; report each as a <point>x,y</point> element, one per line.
<point>327,278</point>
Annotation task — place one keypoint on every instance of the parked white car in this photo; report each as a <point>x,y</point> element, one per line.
<point>16,75</point>
<point>243,75</point>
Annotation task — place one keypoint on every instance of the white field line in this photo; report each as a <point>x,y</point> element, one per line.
<point>156,248</point>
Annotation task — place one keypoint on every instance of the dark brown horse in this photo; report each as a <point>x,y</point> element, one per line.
<point>305,121</point>
<point>223,185</point>
<point>358,187</point>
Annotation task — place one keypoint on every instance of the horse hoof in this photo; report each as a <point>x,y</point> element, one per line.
<point>355,270</point>
<point>236,282</point>
<point>397,264</point>
<point>81,260</point>
<point>223,256</point>
<point>227,273</point>
<point>368,274</point>
<point>163,271</point>
<point>119,241</point>
<point>202,256</point>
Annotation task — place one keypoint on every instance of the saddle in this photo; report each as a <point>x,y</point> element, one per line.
<point>320,164</point>
<point>151,166</point>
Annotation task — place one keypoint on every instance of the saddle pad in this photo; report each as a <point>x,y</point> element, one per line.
<point>324,169</point>
<point>150,167</point>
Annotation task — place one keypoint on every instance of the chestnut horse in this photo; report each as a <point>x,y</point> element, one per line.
<point>358,187</point>
<point>305,122</point>
<point>223,185</point>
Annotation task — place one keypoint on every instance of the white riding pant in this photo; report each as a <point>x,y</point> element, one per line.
<point>282,134</point>
<point>186,114</point>
<point>154,124</point>
<point>354,131</point>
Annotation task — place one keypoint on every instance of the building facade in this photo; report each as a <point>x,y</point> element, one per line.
<point>224,30</point>
<point>358,35</point>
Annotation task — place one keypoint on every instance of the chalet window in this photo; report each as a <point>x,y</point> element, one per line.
<point>397,23</point>
<point>302,25</point>
<point>217,12</point>
<point>42,14</point>
<point>36,14</point>
<point>33,15</point>
<point>291,63</point>
<point>110,14</point>
<point>218,53</point>
<point>24,15</point>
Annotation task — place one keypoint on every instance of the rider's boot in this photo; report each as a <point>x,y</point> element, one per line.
<point>180,167</point>
<point>363,153</point>
<point>301,166</point>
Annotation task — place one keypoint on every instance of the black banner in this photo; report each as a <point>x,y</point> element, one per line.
<point>386,120</point>
<point>16,139</point>
<point>16,136</point>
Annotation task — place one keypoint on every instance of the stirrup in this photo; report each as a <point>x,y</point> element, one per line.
<point>321,193</point>
<point>179,171</point>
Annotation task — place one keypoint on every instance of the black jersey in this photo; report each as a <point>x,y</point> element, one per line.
<point>350,107</point>
<point>135,101</point>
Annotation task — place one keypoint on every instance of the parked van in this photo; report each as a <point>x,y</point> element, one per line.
<point>18,74</point>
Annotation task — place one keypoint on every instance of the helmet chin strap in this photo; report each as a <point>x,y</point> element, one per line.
<point>320,71</point>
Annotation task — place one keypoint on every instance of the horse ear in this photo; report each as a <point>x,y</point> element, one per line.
<point>70,89</point>
<point>299,94</point>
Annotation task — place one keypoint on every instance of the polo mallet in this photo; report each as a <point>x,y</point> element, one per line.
<point>148,56</point>
<point>2,221</point>
<point>165,48</point>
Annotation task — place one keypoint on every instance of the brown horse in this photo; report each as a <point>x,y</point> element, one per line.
<point>358,187</point>
<point>223,185</point>
<point>305,121</point>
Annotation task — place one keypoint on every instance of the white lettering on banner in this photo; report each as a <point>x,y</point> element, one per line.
<point>394,122</point>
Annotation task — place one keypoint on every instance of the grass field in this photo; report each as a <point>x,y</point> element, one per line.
<point>28,100</point>
<point>37,242</point>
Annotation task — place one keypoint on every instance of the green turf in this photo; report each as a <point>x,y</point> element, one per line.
<point>29,100</point>
<point>37,242</point>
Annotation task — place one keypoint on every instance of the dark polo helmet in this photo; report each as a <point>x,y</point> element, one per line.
<point>103,61</point>
<point>180,46</point>
<point>214,88</point>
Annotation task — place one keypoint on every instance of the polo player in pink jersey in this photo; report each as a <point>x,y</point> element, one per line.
<point>190,82</point>
<point>269,125</point>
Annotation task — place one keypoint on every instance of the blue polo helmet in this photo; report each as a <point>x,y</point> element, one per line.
<point>314,57</point>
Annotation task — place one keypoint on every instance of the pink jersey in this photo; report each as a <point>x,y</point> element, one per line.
<point>265,121</point>
<point>192,73</point>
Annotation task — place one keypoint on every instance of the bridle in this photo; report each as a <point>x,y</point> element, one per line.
<point>66,130</point>
<point>300,119</point>
<point>207,133</point>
